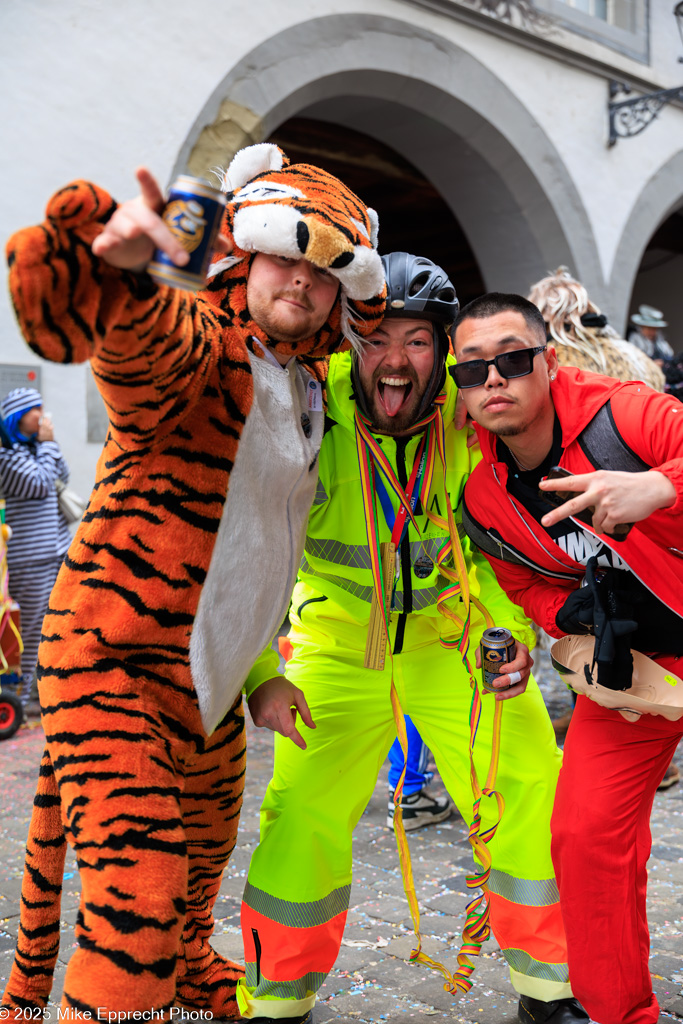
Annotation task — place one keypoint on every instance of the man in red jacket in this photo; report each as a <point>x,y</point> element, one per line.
<point>623,445</point>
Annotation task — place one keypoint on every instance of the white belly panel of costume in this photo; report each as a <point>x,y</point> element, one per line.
<point>260,538</point>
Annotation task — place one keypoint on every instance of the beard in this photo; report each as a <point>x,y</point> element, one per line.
<point>507,431</point>
<point>401,422</point>
<point>279,325</point>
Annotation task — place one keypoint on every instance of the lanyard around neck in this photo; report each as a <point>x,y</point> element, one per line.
<point>398,521</point>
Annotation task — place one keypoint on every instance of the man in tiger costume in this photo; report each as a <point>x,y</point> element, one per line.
<point>181,571</point>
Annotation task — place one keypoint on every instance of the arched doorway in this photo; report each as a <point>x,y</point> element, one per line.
<point>436,106</point>
<point>408,205</point>
<point>658,281</point>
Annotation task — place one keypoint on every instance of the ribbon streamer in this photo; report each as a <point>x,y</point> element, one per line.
<point>371,458</point>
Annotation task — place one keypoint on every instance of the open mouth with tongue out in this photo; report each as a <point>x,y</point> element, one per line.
<point>394,393</point>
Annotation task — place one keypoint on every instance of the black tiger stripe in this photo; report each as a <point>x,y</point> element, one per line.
<point>40,881</point>
<point>163,616</point>
<point>140,791</point>
<point>129,646</point>
<point>119,895</point>
<point>102,863</point>
<point>45,800</point>
<point>65,759</point>
<point>152,824</point>
<point>188,492</point>
<point>120,513</point>
<point>58,332</point>
<point>127,922</point>
<point>35,904</point>
<point>54,843</point>
<point>82,778</point>
<point>140,567</point>
<point>171,503</point>
<point>135,840</point>
<point>76,739</point>
<point>162,968</point>
<point>36,933</point>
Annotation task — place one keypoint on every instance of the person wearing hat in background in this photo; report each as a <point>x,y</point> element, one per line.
<point>648,336</point>
<point>40,537</point>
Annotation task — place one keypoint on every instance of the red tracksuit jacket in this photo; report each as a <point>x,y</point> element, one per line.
<point>651,425</point>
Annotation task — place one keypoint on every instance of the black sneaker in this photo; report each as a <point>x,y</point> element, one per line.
<point>420,809</point>
<point>306,1019</point>
<point>559,1011</point>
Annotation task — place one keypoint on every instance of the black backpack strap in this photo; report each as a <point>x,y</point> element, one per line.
<point>484,540</point>
<point>490,542</point>
<point>605,448</point>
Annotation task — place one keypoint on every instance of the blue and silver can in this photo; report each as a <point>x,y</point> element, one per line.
<point>193,213</point>
<point>497,647</point>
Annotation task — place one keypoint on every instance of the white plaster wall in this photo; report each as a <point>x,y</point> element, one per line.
<point>570,106</point>
<point>93,88</point>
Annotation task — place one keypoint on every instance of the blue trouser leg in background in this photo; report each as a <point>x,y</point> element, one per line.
<point>417,775</point>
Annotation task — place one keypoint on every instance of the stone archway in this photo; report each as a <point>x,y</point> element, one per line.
<point>408,204</point>
<point>450,116</point>
<point>656,214</point>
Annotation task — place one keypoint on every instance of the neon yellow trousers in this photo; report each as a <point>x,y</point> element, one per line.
<point>297,893</point>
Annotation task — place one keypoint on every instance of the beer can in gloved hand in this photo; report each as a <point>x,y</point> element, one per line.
<point>497,647</point>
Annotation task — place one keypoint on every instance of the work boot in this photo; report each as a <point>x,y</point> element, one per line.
<point>559,1011</point>
<point>420,809</point>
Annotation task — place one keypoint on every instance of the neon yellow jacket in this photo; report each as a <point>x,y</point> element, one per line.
<point>334,586</point>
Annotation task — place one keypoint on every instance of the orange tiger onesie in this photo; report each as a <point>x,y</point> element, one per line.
<point>144,761</point>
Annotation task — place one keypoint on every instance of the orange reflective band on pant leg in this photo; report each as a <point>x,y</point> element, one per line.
<point>286,953</point>
<point>538,931</point>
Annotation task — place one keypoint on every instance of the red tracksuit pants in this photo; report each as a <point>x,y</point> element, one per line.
<point>600,846</point>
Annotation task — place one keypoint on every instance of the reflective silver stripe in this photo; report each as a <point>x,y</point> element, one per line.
<point>357,556</point>
<point>298,915</point>
<point>298,989</point>
<point>431,547</point>
<point>422,598</point>
<point>357,589</point>
<point>541,892</point>
<point>521,962</point>
<point>321,495</point>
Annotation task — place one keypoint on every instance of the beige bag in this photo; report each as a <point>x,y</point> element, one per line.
<point>654,691</point>
<point>71,505</point>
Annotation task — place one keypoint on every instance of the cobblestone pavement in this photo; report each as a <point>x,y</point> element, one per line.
<point>372,979</point>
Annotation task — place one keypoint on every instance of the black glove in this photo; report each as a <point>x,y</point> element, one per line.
<point>576,614</point>
<point>614,627</point>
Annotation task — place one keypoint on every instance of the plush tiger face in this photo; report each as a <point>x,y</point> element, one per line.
<point>302,211</point>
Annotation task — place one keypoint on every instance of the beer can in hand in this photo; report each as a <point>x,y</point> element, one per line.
<point>497,647</point>
<point>193,214</point>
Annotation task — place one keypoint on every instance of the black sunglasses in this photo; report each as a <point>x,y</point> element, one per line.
<point>474,372</point>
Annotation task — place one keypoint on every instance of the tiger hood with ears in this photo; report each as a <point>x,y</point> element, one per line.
<point>297,210</point>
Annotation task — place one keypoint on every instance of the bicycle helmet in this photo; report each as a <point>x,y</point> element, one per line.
<point>418,289</point>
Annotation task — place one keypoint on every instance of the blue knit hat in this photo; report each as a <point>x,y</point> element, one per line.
<point>13,407</point>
